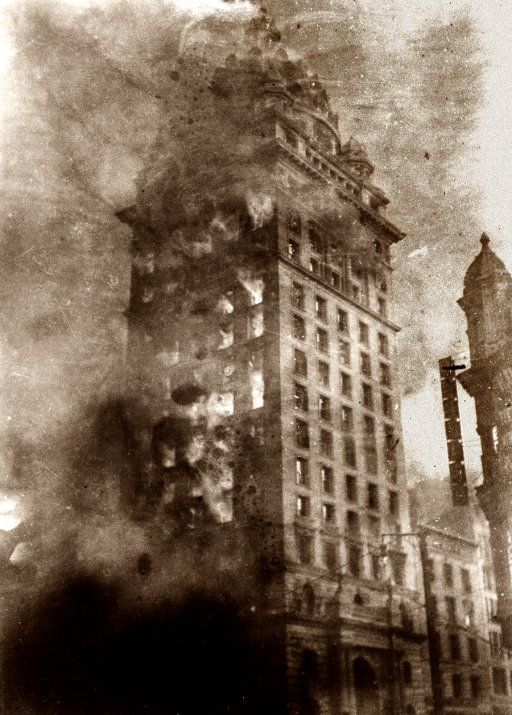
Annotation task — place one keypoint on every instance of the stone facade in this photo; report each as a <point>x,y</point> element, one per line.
<point>263,384</point>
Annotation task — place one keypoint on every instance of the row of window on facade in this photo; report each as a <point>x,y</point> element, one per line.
<point>352,517</point>
<point>458,685</point>
<point>356,563</point>
<point>346,423</point>
<point>357,288</point>
<point>451,648</point>
<point>342,320</point>
<point>300,368</point>
<point>319,243</point>
<point>448,575</point>
<point>369,447</point>
<point>465,618</point>
<point>326,481</point>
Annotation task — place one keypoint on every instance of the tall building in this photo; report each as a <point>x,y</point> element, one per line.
<point>263,374</point>
<point>486,301</point>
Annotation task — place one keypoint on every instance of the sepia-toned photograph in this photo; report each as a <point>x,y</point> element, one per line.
<point>256,357</point>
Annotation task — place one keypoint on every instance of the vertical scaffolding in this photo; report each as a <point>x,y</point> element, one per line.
<point>458,481</point>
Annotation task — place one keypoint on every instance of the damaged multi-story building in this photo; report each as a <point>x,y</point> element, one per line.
<point>262,371</point>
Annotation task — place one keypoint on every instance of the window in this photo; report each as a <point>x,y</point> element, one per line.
<point>299,327</point>
<point>321,308</point>
<point>448,574</point>
<point>353,523</point>
<point>298,300</point>
<point>326,443</point>
<point>303,505</point>
<point>476,687</point>
<point>373,496</point>
<point>366,365</point>
<point>335,280</point>
<point>351,487</point>
<point>301,471</point>
<point>293,250</point>
<point>369,426</point>
<point>465,578</point>
<point>324,408</point>
<point>322,340</point>
<point>300,397</point>
<point>256,379</point>
<point>294,224</point>
<point>364,333</point>
<point>314,267</point>
<point>393,503</point>
<point>397,563</point>
<point>385,375</point>
<point>386,404</point>
<point>224,405</point>
<point>354,561</point>
<point>330,557</point>
<point>451,608</point>
<point>342,319</point>
<point>315,242</point>
<point>255,323</point>
<point>323,374</point>
<point>376,567</point>
<point>367,396</point>
<point>383,345</point>
<point>457,685</point>
<point>328,512</point>
<point>226,303</point>
<point>347,418</point>
<point>326,474</point>
<point>469,612</point>
<point>407,672</point>
<point>226,336</point>
<point>349,452</point>
<point>383,309</point>
<point>473,650</point>
<point>499,681</point>
<point>495,639</point>
<point>454,646</point>
<point>431,570</point>
<point>374,527</point>
<point>344,351</point>
<point>304,547</point>
<point>346,385</point>
<point>300,363</point>
<point>370,457</point>
<point>302,434</point>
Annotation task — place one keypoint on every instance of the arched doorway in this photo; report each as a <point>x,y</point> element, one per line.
<point>366,687</point>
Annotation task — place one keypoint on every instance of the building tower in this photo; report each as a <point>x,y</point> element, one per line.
<point>262,358</point>
<point>487,301</point>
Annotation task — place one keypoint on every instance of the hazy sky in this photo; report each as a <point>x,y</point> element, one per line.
<point>372,105</point>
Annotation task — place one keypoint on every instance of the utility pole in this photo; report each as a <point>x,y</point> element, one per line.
<point>432,634</point>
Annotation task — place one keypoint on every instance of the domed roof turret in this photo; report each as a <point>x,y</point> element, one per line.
<point>486,266</point>
<point>354,155</point>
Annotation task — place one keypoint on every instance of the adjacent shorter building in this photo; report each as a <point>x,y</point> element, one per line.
<point>475,670</point>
